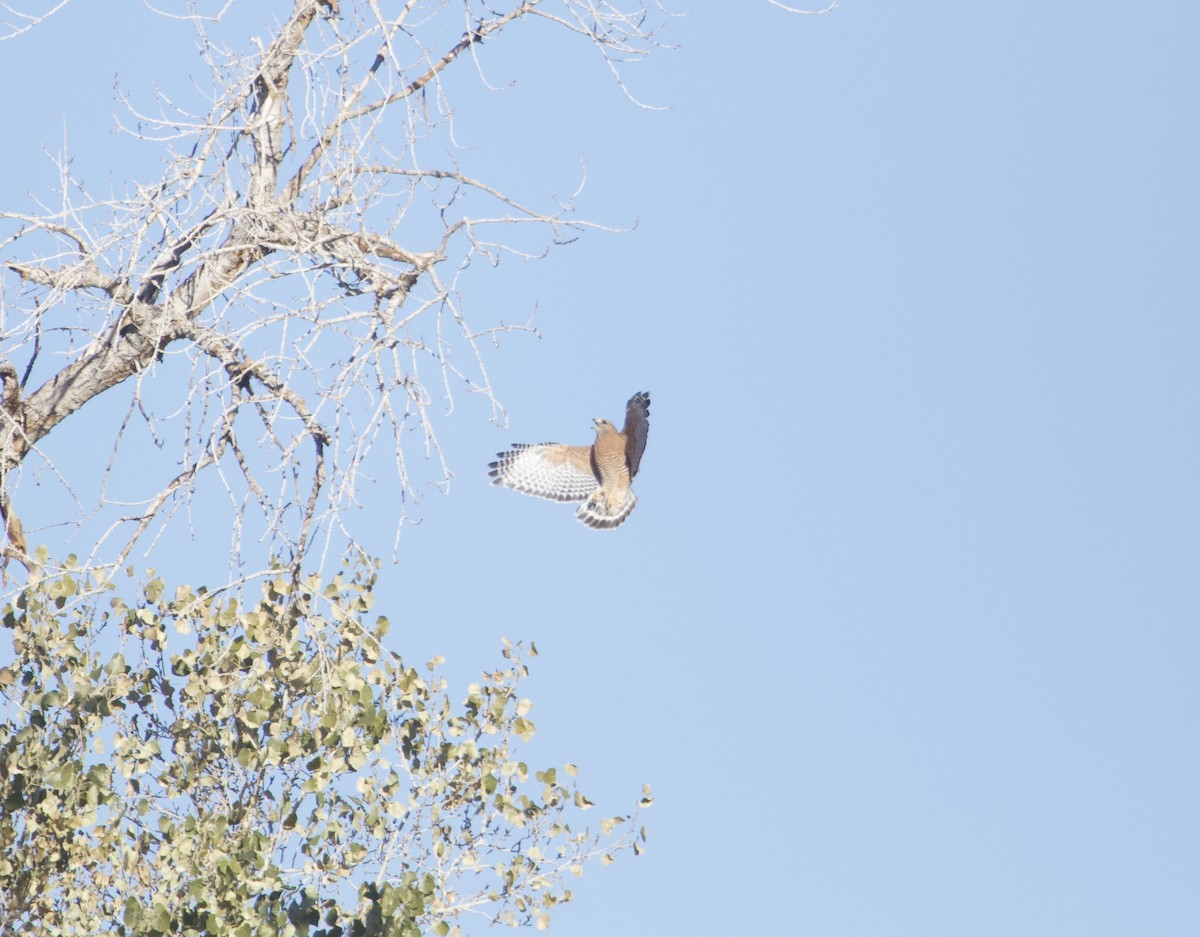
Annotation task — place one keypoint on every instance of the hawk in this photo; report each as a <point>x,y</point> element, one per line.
<point>598,475</point>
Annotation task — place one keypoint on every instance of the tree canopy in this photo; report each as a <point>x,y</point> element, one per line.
<point>277,771</point>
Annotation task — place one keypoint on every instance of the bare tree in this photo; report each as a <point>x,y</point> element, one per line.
<point>302,271</point>
<point>281,306</point>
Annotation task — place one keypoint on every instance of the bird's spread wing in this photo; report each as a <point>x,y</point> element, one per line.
<point>637,428</point>
<point>547,470</point>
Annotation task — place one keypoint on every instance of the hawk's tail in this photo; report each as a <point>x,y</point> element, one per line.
<point>599,515</point>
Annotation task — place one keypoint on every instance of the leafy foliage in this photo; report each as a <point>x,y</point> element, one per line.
<point>181,764</point>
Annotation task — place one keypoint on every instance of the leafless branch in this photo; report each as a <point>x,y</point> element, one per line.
<point>14,22</point>
<point>833,5</point>
<point>281,308</point>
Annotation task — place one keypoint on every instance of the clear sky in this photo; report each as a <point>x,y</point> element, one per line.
<point>904,630</point>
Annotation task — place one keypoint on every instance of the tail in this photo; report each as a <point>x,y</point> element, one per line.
<point>598,514</point>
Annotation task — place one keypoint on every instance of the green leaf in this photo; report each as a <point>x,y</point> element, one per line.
<point>154,590</point>
<point>133,912</point>
<point>524,729</point>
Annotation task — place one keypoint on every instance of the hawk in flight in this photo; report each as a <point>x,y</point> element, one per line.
<point>598,475</point>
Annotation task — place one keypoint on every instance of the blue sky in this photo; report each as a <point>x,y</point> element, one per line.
<point>903,632</point>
